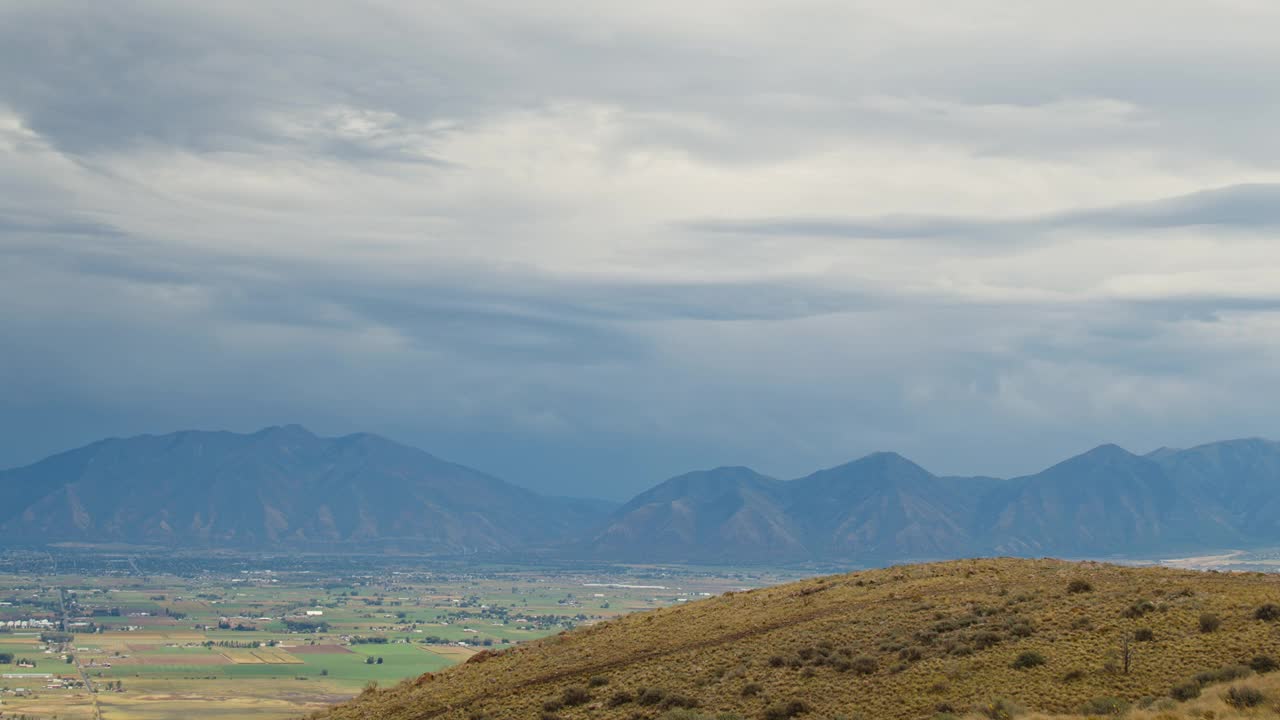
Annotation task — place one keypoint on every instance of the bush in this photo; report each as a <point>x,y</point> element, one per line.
<point>552,705</point>
<point>1144,635</point>
<point>863,665</point>
<point>676,700</point>
<point>1138,609</point>
<point>777,661</point>
<point>1078,586</point>
<point>1000,709</point>
<point>1226,674</point>
<point>1269,612</point>
<point>1028,659</point>
<point>575,696</point>
<point>783,711</point>
<point>1264,664</point>
<point>751,689</point>
<point>1241,697</point>
<point>1209,623</point>
<point>1104,706</point>
<point>650,696</point>
<point>598,680</point>
<point>622,697</point>
<point>985,639</point>
<point>1185,691</point>
<point>1073,675</point>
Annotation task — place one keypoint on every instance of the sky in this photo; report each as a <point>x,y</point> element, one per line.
<point>588,247</point>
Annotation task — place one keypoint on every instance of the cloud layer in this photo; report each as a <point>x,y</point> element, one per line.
<point>587,251</point>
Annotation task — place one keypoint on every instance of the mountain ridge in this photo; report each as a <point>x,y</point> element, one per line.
<point>283,486</point>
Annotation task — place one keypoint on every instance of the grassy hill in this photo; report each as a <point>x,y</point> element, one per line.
<point>904,642</point>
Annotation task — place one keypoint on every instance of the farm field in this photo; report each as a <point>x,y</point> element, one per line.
<point>258,637</point>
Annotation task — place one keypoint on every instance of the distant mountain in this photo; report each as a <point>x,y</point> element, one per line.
<point>714,515</point>
<point>1105,501</point>
<point>884,507</point>
<point>281,486</point>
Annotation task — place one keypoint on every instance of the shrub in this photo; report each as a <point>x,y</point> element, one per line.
<point>1264,664</point>
<point>751,689</point>
<point>575,696</point>
<point>1269,612</point>
<point>863,665</point>
<point>985,639</point>
<point>676,700</point>
<point>1078,586</point>
<point>777,661</point>
<point>1209,623</point>
<point>598,680</point>
<point>1073,675</point>
<point>910,654</point>
<point>1226,674</point>
<point>1104,706</point>
<point>622,697</point>
<point>1138,609</point>
<point>1000,709</point>
<point>1241,697</point>
<point>1185,691</point>
<point>650,696</point>
<point>1144,635</point>
<point>552,705</point>
<point>784,711</point>
<point>1028,659</point>
<point>1022,629</point>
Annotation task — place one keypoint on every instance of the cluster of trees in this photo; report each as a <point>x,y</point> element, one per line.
<point>371,660</point>
<point>251,645</point>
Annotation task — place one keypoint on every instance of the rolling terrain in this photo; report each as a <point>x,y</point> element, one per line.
<point>995,637</point>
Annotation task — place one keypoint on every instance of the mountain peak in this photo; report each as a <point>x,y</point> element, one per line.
<point>292,430</point>
<point>1108,452</point>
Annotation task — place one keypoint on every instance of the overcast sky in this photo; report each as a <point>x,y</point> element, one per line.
<point>589,246</point>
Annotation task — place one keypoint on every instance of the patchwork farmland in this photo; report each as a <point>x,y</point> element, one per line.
<point>138,637</point>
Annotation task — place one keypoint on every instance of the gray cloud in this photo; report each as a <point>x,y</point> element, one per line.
<point>1246,206</point>
<point>586,253</point>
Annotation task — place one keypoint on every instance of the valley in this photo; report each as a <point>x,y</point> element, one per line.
<point>264,637</point>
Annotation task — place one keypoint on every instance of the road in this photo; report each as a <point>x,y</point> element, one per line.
<point>70,649</point>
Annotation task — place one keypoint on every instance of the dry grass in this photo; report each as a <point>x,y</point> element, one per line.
<point>903,642</point>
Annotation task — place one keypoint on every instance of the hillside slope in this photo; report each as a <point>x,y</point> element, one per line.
<point>279,486</point>
<point>903,642</point>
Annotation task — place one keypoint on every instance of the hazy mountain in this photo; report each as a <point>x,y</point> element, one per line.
<point>284,486</point>
<point>1240,479</point>
<point>722,514</point>
<point>881,505</point>
<point>278,486</point>
<point>1105,501</point>
<point>884,507</point>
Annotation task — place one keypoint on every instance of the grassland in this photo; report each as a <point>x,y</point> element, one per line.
<point>918,641</point>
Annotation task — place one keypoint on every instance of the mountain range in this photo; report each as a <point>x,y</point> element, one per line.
<point>284,487</point>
